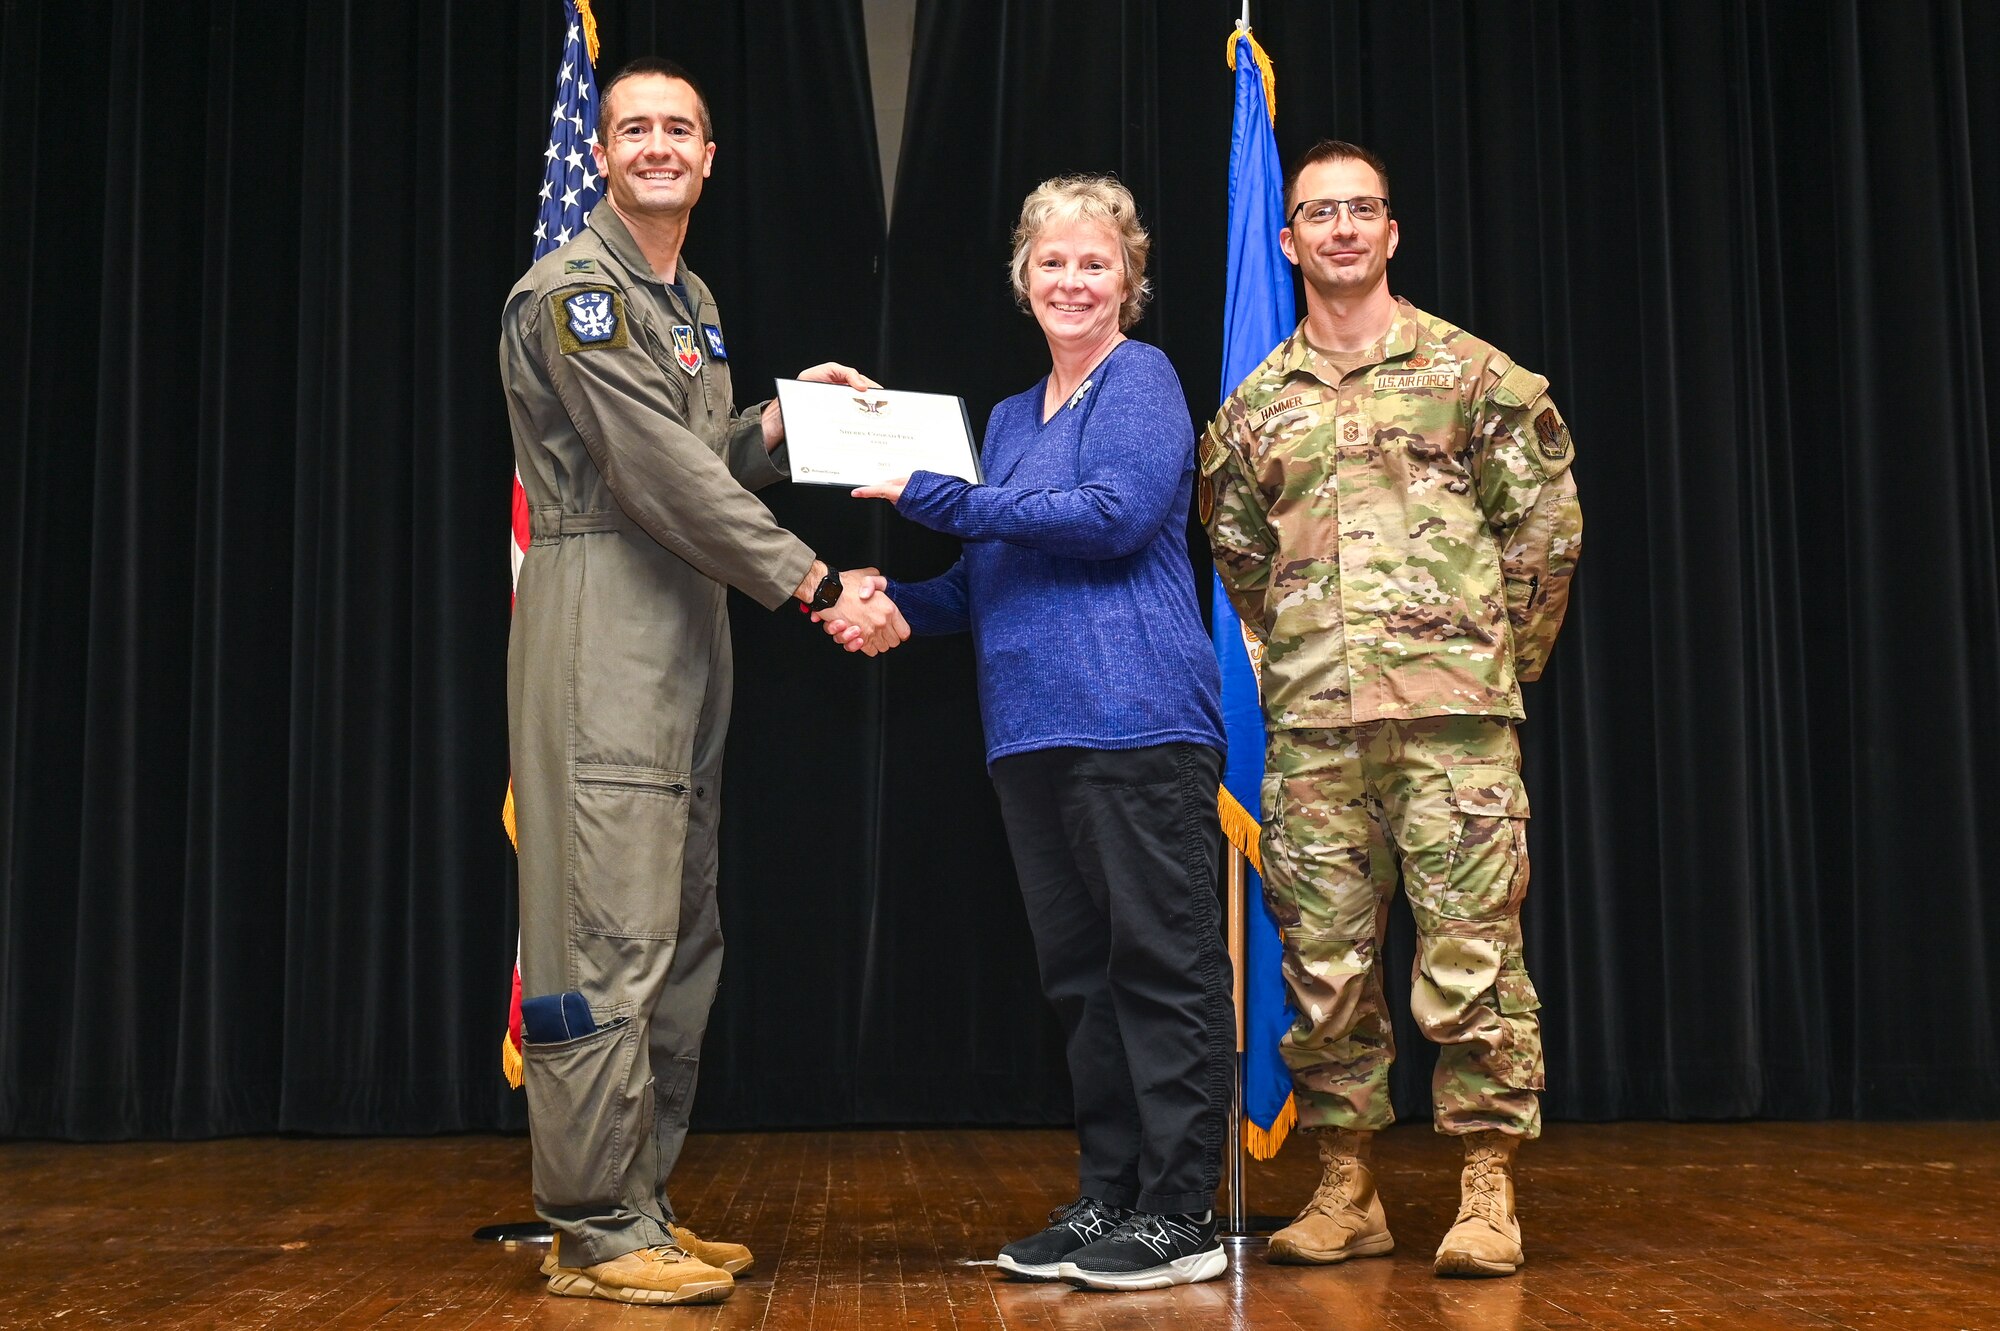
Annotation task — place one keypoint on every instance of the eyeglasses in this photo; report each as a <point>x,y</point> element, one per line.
<point>1319,212</point>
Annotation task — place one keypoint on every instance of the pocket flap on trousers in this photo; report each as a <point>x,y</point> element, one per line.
<point>1489,792</point>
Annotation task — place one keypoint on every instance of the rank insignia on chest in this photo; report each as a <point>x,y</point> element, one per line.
<point>589,321</point>
<point>714,336</point>
<point>685,351</point>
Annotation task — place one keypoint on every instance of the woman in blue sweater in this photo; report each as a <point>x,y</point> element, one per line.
<point>1099,693</point>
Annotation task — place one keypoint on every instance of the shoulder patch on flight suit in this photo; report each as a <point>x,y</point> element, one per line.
<point>714,336</point>
<point>579,265</point>
<point>592,319</point>
<point>685,351</point>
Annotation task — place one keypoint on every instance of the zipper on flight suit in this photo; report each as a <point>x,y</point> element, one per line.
<point>612,776</point>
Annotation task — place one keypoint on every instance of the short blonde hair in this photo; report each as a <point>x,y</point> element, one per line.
<point>1068,199</point>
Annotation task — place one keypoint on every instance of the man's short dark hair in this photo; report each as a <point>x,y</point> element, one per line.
<point>648,64</point>
<point>1332,150</point>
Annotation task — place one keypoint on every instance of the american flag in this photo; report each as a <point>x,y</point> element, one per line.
<point>570,185</point>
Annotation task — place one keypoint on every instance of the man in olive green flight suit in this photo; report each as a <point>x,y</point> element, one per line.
<point>639,479</point>
<point>1391,508</point>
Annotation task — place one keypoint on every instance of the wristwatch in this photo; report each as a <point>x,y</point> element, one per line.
<point>827,594</point>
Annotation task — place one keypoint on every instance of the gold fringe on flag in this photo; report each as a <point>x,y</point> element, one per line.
<point>590,31</point>
<point>511,1067</point>
<point>1261,1144</point>
<point>1242,831</point>
<point>1263,67</point>
<point>1240,826</point>
<point>510,1053</point>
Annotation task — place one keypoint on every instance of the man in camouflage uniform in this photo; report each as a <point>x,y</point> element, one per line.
<point>1391,508</point>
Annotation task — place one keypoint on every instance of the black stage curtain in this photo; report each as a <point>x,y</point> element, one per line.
<point>251,647</point>
<point>1743,241</point>
<point>253,628</point>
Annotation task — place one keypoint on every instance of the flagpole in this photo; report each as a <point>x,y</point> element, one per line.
<point>566,197</point>
<point>1239,1210</point>
<point>1257,315</point>
<point>1239,1228</point>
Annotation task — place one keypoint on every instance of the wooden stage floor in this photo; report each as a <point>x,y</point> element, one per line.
<point>1893,1226</point>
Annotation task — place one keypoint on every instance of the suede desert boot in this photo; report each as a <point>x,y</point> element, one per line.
<point>1344,1218</point>
<point>663,1274</point>
<point>731,1257</point>
<point>1486,1240</point>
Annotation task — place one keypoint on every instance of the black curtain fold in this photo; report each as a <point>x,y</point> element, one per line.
<point>256,615</point>
<point>253,623</point>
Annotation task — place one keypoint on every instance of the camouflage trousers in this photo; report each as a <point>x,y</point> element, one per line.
<point>1440,799</point>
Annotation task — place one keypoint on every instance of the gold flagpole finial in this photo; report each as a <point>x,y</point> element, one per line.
<point>1263,67</point>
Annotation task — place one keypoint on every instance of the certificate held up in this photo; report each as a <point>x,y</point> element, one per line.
<point>837,435</point>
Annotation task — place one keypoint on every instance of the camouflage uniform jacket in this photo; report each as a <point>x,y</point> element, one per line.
<point>1401,538</point>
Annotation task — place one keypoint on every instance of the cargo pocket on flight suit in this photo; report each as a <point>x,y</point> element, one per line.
<point>572,1085</point>
<point>1487,870</point>
<point>630,834</point>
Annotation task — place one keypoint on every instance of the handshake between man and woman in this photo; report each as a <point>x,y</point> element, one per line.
<point>1389,505</point>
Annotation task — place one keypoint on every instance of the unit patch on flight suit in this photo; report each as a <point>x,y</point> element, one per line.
<point>590,320</point>
<point>714,336</point>
<point>685,351</point>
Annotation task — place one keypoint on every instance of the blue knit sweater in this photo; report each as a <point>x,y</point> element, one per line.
<point>1075,579</point>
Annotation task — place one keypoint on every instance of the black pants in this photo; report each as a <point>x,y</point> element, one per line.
<point>1117,851</point>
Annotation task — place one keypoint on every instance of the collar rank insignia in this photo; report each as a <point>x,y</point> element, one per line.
<point>685,351</point>
<point>714,335</point>
<point>589,320</point>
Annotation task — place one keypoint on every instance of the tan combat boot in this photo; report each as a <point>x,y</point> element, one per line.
<point>731,1257</point>
<point>1486,1240</point>
<point>1344,1218</point>
<point>662,1274</point>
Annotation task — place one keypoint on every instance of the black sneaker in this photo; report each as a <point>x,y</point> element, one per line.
<point>1149,1252</point>
<point>1039,1256</point>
